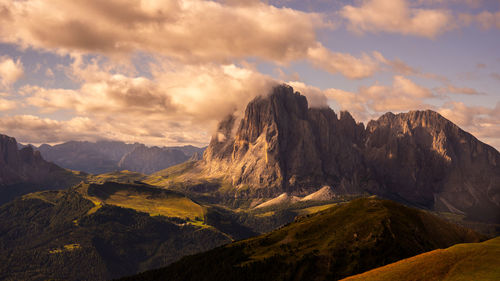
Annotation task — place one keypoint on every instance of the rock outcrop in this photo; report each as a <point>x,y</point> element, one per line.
<point>23,165</point>
<point>423,158</point>
<point>24,170</point>
<point>281,145</point>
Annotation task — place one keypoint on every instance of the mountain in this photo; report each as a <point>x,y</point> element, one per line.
<point>324,194</point>
<point>96,158</point>
<point>99,232</point>
<point>420,158</point>
<point>281,145</point>
<point>338,242</point>
<point>110,229</point>
<point>108,156</point>
<point>471,261</point>
<point>148,160</point>
<point>24,170</point>
<point>423,158</point>
<point>282,199</point>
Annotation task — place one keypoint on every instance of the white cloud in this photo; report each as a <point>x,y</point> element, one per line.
<point>191,31</point>
<point>179,104</point>
<point>482,122</point>
<point>372,101</point>
<point>349,66</point>
<point>6,104</point>
<point>10,71</point>
<point>397,16</point>
<point>485,19</point>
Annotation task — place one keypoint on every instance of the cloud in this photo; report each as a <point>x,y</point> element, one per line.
<point>191,31</point>
<point>372,101</point>
<point>6,104</point>
<point>487,19</point>
<point>49,73</point>
<point>451,89</point>
<point>482,122</point>
<point>397,16</point>
<point>10,71</point>
<point>178,104</point>
<point>29,128</point>
<point>349,66</point>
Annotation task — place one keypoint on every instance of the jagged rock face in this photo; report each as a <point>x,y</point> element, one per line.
<point>24,165</point>
<point>283,146</point>
<point>148,160</point>
<point>419,157</point>
<point>425,159</point>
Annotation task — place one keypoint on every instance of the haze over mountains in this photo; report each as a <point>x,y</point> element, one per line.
<point>107,156</point>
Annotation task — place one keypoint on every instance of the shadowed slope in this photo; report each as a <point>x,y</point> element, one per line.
<point>335,243</point>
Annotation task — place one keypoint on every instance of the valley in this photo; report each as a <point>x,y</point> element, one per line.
<point>293,192</point>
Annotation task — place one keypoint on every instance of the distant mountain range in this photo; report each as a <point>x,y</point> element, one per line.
<point>107,156</point>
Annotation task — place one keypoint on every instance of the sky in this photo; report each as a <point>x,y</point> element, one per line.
<point>163,72</point>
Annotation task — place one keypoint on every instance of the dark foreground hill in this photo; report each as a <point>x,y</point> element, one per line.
<point>63,235</point>
<point>471,261</point>
<point>335,243</point>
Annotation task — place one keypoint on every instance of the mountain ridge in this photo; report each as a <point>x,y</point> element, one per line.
<point>25,170</point>
<point>421,158</point>
<point>329,245</point>
<point>109,156</point>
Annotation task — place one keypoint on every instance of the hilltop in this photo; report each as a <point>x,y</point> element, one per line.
<point>331,244</point>
<point>471,261</point>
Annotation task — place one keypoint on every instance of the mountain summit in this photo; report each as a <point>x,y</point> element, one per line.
<point>282,145</point>
<point>24,170</point>
<point>419,157</point>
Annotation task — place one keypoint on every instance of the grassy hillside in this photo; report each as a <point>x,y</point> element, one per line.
<point>123,176</point>
<point>341,241</point>
<point>143,198</point>
<point>53,235</point>
<point>462,262</point>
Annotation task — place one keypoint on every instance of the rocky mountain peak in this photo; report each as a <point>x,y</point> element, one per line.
<point>420,157</point>
<point>282,145</point>
<point>23,170</point>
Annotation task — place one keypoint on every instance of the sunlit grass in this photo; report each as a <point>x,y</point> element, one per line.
<point>66,248</point>
<point>181,207</point>
<point>471,261</point>
<point>153,201</point>
<point>315,209</point>
<point>124,176</point>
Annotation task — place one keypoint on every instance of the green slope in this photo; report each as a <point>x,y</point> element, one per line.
<point>462,262</point>
<point>143,198</point>
<point>344,240</point>
<point>55,235</point>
